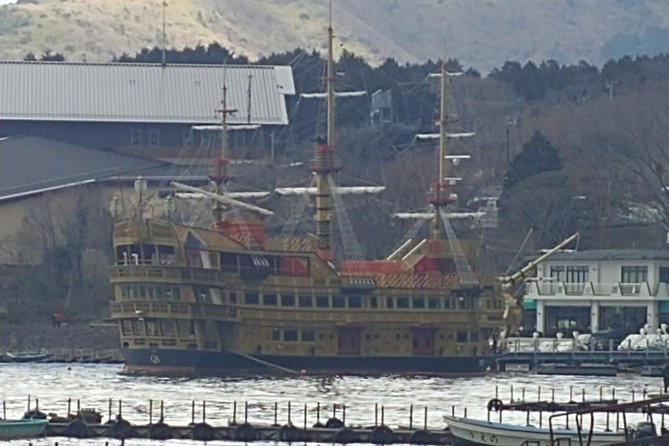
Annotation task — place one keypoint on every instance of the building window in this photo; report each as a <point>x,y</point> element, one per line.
<point>154,137</point>
<point>135,137</point>
<point>634,274</point>
<point>577,274</point>
<point>557,273</point>
<point>664,274</point>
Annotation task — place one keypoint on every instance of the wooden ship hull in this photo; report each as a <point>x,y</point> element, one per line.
<point>191,300</point>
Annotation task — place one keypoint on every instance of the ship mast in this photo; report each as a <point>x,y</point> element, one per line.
<point>219,175</point>
<point>325,162</point>
<point>440,195</point>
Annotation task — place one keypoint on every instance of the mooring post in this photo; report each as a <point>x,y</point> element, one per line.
<point>246,412</point>
<point>343,414</point>
<point>376,414</point>
<point>553,395</point>
<point>601,393</point>
<point>289,411</point>
<point>204,411</point>
<point>613,393</point>
<point>465,412</point>
<point>162,410</point>
<point>334,410</point>
<point>512,393</point>
<point>632,394</point>
<point>276,410</point>
<point>527,417</point>
<point>192,412</point>
<point>540,418</point>
<point>425,419</point>
<point>453,410</point>
<point>305,417</point>
<point>382,415</point>
<point>28,403</point>
<point>36,404</point>
<point>607,421</point>
<point>110,409</point>
<point>120,408</point>
<point>497,391</point>
<point>539,394</point>
<point>150,411</point>
<point>4,410</point>
<point>411,417</point>
<point>78,406</point>
<point>318,413</point>
<point>571,393</point>
<point>234,412</point>
<point>69,406</point>
<point>523,394</point>
<point>583,393</point>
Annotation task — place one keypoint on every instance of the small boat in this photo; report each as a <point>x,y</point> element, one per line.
<point>471,432</point>
<point>26,356</point>
<point>14,429</point>
<point>580,370</point>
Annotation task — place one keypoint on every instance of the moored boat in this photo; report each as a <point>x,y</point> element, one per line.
<point>470,432</point>
<point>18,429</point>
<point>26,356</point>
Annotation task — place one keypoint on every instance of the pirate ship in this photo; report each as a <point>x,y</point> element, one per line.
<point>231,299</point>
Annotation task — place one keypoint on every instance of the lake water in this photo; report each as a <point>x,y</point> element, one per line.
<point>95,385</point>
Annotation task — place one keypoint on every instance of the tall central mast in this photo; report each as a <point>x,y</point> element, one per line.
<point>219,175</point>
<point>325,162</point>
<point>440,195</point>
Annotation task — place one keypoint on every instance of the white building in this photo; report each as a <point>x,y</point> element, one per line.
<point>591,291</point>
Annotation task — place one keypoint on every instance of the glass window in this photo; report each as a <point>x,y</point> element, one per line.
<point>634,274</point>
<point>461,336</point>
<point>251,299</point>
<point>354,301</point>
<point>135,136</point>
<point>373,302</point>
<point>308,335</point>
<point>433,303</point>
<point>390,302</point>
<point>290,335</point>
<point>338,301</point>
<point>276,334</point>
<point>154,137</point>
<point>577,274</point>
<point>664,274</point>
<point>287,300</point>
<point>402,302</point>
<point>305,301</point>
<point>126,327</point>
<point>269,299</point>
<point>322,301</point>
<point>418,302</point>
<point>448,303</point>
<point>557,273</point>
<point>232,296</point>
<point>228,262</point>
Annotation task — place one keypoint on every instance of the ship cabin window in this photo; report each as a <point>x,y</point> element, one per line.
<point>269,299</point>
<point>193,258</point>
<point>464,303</point>
<point>232,297</point>
<point>139,327</point>
<point>418,302</point>
<point>354,301</point>
<point>308,335</point>
<point>390,302</point>
<point>322,301</point>
<point>166,254</point>
<point>126,327</point>
<point>474,336</point>
<point>290,335</point>
<point>292,266</point>
<point>305,301</point>
<point>449,304</point>
<point>287,300</point>
<point>228,262</point>
<point>461,336</point>
<point>433,303</point>
<point>402,302</point>
<point>373,302</point>
<point>167,327</point>
<point>128,255</point>
<point>169,293</point>
<point>185,328</point>
<point>251,298</point>
<point>338,301</point>
<point>276,334</point>
<point>216,296</point>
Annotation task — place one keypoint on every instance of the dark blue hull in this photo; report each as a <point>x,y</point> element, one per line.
<point>227,363</point>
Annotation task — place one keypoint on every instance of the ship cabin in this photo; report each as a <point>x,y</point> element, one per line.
<point>597,290</point>
<point>185,288</point>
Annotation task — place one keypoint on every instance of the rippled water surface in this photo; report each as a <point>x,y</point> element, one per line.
<point>95,385</point>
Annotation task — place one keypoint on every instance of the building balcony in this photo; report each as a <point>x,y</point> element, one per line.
<point>548,290</point>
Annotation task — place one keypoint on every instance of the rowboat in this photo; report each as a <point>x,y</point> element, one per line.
<point>470,432</point>
<point>11,430</point>
<point>26,356</point>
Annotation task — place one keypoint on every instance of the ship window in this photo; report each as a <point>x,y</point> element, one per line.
<point>251,299</point>
<point>418,302</point>
<point>308,335</point>
<point>474,336</point>
<point>149,255</point>
<point>448,303</point>
<point>290,335</point>
<point>338,301</point>
<point>322,301</point>
<point>269,299</point>
<point>139,327</point>
<point>232,297</point>
<point>122,292</point>
<point>373,302</point>
<point>354,301</point>
<point>433,302</point>
<point>166,254</point>
<point>216,296</point>
<point>276,334</point>
<point>202,294</point>
<point>390,302</point>
<point>461,336</point>
<point>305,301</point>
<point>167,327</point>
<point>464,303</point>
<point>126,327</point>
<point>287,300</point>
<point>228,262</point>
<point>402,302</point>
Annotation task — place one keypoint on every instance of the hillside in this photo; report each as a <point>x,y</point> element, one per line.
<point>481,33</point>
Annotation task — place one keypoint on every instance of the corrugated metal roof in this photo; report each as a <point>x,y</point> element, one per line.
<point>61,91</point>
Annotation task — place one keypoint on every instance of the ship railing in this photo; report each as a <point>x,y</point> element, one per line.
<point>187,310</point>
<point>608,289</point>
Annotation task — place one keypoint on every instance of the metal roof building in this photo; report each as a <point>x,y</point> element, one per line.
<point>148,93</point>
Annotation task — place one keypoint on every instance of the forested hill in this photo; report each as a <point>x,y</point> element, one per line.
<point>480,33</point>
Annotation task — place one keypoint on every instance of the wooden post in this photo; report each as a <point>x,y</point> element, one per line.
<point>162,411</point>
<point>234,412</point>
<point>36,404</point>
<point>4,410</point>
<point>78,406</point>
<point>120,407</point>
<point>318,413</point>
<point>376,414</point>
<point>110,409</point>
<point>425,419</point>
<point>382,416</point>
<point>28,403</point>
<point>192,412</point>
<point>246,412</point>
<point>69,406</point>
<point>343,414</point>
<point>204,411</point>
<point>150,411</point>
<point>289,411</point>
<point>411,417</point>
<point>276,409</point>
<point>305,417</point>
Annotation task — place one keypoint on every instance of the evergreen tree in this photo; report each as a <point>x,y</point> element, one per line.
<point>538,155</point>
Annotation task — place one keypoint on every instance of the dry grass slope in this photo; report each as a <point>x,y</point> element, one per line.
<point>481,33</point>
